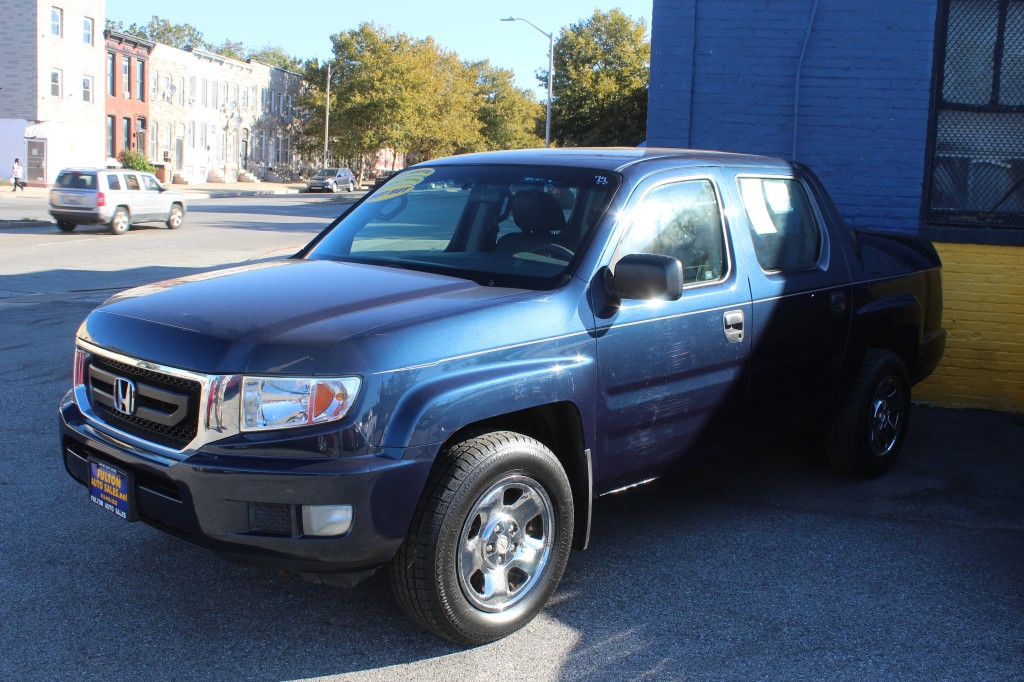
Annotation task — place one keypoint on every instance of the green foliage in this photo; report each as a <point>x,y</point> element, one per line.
<point>601,79</point>
<point>407,94</point>
<point>275,56</point>
<point>510,116</point>
<point>135,160</point>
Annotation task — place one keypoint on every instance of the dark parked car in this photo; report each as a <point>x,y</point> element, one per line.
<point>383,177</point>
<point>443,381</point>
<point>331,180</point>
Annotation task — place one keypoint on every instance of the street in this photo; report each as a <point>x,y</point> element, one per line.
<point>764,566</point>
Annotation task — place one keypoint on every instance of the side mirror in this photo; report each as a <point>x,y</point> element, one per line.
<point>645,276</point>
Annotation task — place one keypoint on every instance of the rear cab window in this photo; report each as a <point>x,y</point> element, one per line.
<point>783,227</point>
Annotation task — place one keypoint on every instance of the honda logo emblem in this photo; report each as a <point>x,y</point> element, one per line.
<point>124,396</point>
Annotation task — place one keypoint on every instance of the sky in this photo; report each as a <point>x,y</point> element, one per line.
<point>471,29</point>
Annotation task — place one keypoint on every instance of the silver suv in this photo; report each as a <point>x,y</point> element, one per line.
<point>118,198</point>
<point>331,179</point>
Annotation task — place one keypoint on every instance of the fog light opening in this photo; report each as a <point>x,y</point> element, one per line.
<point>326,520</point>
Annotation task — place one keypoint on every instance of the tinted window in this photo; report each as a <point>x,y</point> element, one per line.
<point>682,220</point>
<point>131,181</point>
<point>497,225</point>
<point>785,233</point>
<point>76,180</point>
<point>113,182</point>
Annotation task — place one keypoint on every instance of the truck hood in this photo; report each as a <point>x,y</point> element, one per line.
<point>273,317</point>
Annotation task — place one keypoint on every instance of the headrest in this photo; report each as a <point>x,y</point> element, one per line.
<point>537,212</point>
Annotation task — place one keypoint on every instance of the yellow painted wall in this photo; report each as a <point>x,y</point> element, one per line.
<point>983,288</point>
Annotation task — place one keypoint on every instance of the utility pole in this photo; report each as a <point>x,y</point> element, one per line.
<point>327,113</point>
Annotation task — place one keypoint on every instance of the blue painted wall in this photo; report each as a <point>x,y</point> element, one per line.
<point>724,74</point>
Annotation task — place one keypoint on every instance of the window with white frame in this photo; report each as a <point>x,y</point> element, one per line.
<point>56,21</point>
<point>192,134</point>
<point>273,102</point>
<point>126,77</point>
<point>140,79</point>
<point>245,99</point>
<point>87,89</point>
<point>202,137</point>
<point>153,142</point>
<point>234,94</point>
<point>181,91</point>
<point>56,83</point>
<point>88,30</point>
<point>166,146</point>
<point>214,93</point>
<point>154,85</point>
<point>191,90</point>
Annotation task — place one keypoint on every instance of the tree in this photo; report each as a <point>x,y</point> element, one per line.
<point>602,67</point>
<point>510,117</point>
<point>274,55</point>
<point>163,31</point>
<point>231,50</point>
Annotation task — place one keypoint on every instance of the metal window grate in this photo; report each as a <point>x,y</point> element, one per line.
<point>977,164</point>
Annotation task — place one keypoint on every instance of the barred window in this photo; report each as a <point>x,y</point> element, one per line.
<point>977,163</point>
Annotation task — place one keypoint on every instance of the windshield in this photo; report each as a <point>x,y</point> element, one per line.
<point>514,226</point>
<point>327,172</point>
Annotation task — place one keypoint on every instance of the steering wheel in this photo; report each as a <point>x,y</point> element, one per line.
<point>553,250</point>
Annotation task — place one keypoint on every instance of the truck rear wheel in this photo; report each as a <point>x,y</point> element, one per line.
<point>866,436</point>
<point>490,539</point>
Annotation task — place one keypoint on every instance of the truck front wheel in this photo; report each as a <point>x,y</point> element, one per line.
<point>490,539</point>
<point>866,436</point>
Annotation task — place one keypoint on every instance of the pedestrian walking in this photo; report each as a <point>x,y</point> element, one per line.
<point>16,173</point>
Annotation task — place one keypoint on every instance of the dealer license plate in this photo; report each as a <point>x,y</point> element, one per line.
<point>110,488</point>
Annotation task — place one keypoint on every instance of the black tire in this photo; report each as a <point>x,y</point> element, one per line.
<point>866,436</point>
<point>121,222</point>
<point>65,226</point>
<point>176,217</point>
<point>497,513</point>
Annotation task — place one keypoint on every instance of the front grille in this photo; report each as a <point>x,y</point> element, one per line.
<point>166,409</point>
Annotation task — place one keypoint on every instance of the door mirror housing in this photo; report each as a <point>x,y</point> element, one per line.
<point>645,276</point>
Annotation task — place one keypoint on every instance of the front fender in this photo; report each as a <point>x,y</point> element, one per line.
<point>434,408</point>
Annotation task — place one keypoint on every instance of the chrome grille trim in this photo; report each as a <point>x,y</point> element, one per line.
<point>218,409</point>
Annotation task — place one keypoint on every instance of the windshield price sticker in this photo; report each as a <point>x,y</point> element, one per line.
<point>110,488</point>
<point>403,184</point>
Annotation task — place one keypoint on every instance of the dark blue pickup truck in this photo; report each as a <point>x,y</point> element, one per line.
<point>449,374</point>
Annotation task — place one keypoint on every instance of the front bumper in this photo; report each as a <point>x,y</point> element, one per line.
<point>248,508</point>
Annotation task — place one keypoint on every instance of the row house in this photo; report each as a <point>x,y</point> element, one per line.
<point>212,118</point>
<point>51,111</point>
<point>127,97</point>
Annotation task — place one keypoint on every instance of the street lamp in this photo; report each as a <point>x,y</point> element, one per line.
<point>551,73</point>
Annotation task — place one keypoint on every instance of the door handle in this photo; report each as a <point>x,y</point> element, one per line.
<point>733,322</point>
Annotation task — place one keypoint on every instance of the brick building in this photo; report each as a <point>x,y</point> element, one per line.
<point>127,101</point>
<point>912,114</point>
<point>51,76</point>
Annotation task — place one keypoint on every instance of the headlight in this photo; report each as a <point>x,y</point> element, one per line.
<point>290,402</point>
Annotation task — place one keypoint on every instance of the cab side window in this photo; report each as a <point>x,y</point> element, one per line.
<point>785,233</point>
<point>682,220</point>
<point>131,181</point>
<point>150,183</point>
<point>113,182</point>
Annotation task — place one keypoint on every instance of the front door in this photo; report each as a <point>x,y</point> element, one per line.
<point>35,161</point>
<point>179,153</point>
<point>672,381</point>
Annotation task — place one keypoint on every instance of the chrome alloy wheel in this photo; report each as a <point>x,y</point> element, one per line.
<point>887,416</point>
<point>505,543</point>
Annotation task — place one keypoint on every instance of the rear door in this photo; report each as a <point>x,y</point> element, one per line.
<point>672,390</point>
<point>801,293</point>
